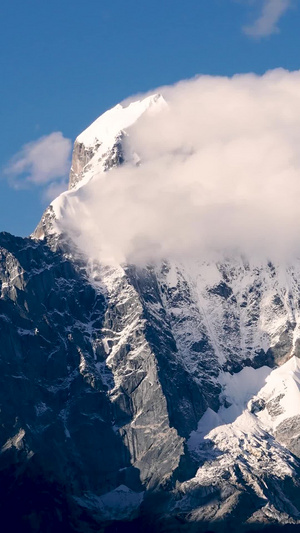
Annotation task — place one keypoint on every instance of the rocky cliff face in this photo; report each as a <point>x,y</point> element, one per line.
<point>155,398</point>
<point>72,418</point>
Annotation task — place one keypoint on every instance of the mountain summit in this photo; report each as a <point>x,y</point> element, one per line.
<point>159,396</point>
<point>101,143</point>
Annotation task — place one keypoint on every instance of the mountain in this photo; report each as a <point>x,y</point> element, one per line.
<point>143,397</point>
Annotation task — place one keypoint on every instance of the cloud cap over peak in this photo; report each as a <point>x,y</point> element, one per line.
<point>220,171</point>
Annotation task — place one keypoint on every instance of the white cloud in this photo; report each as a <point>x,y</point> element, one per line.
<point>220,170</point>
<point>267,23</point>
<point>54,189</point>
<point>43,162</point>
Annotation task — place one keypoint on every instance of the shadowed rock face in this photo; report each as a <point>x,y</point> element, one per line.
<point>52,396</point>
<point>72,426</point>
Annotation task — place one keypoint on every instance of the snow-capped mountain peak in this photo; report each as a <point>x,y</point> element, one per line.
<point>99,147</point>
<point>106,127</point>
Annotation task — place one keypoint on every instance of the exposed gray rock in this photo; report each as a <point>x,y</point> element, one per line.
<point>288,433</point>
<point>80,158</point>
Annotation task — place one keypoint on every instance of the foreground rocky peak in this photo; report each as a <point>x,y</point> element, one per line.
<point>161,397</point>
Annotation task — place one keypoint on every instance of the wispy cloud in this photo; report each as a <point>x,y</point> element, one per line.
<point>54,189</point>
<point>267,22</point>
<point>44,163</point>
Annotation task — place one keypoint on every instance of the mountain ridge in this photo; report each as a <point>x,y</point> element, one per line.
<point>156,385</point>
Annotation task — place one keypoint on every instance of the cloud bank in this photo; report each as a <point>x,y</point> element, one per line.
<point>44,162</point>
<point>219,172</point>
<point>267,23</point>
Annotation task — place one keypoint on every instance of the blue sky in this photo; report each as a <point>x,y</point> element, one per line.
<point>63,63</point>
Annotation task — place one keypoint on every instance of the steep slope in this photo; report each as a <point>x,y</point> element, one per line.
<point>77,420</point>
<point>144,393</point>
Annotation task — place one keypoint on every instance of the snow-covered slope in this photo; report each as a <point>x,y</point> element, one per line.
<point>108,126</point>
<point>198,360</point>
<point>239,444</point>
